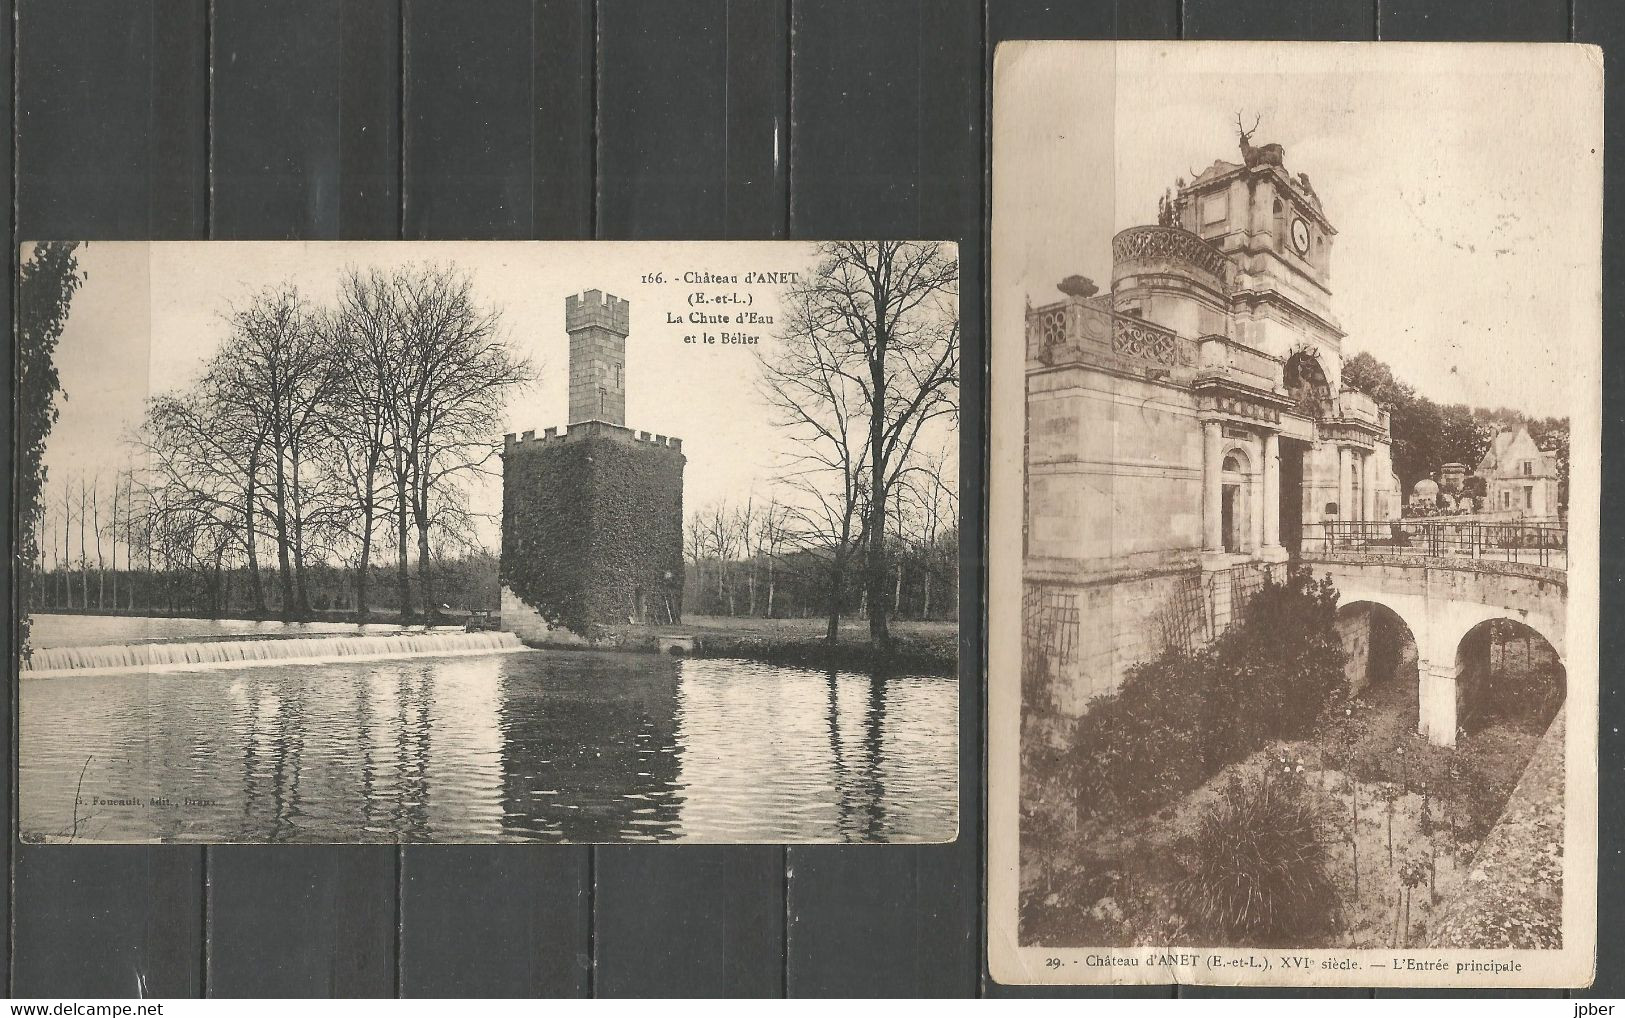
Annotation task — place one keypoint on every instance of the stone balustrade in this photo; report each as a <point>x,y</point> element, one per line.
<point>1163,248</point>
<point>1090,325</point>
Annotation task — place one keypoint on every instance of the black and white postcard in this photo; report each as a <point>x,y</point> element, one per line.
<point>488,542</point>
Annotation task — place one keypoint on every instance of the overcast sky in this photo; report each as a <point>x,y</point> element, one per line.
<point>150,315</point>
<point>1460,180</point>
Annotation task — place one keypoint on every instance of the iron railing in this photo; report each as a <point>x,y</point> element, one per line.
<point>1542,544</point>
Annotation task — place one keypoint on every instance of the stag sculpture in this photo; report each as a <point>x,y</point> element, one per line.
<point>1264,155</point>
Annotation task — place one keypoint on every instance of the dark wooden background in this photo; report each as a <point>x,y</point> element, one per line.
<point>575,119</point>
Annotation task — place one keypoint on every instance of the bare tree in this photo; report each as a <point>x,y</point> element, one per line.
<point>274,376</point>
<point>112,532</point>
<point>84,557</point>
<point>454,376</point>
<point>696,532</point>
<point>366,340</point>
<point>934,495</point>
<point>720,533</point>
<point>206,448</point>
<point>813,385</point>
<point>886,315</point>
<point>770,537</point>
<point>747,524</point>
<point>96,528</point>
<point>67,551</point>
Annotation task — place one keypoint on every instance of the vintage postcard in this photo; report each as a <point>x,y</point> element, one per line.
<point>488,542</point>
<point>1296,368</point>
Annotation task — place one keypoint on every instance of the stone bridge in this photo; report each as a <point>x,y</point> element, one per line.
<point>1442,600</point>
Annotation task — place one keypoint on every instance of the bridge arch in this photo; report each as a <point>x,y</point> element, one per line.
<point>1378,645</point>
<point>1441,600</point>
<point>1505,668</point>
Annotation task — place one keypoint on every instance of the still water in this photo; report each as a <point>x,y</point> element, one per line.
<point>48,631</point>
<point>527,746</point>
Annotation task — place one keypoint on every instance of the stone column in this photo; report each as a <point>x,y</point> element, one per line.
<point>1272,492</point>
<point>1212,494</point>
<point>1345,483</point>
<point>1256,510</point>
<point>1368,486</point>
<point>1436,702</point>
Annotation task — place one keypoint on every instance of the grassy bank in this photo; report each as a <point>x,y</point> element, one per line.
<point>919,648</point>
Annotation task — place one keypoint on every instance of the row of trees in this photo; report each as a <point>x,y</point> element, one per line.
<point>869,361</point>
<point>315,434</point>
<point>95,552</point>
<point>748,559</point>
<point>1427,435</point>
<point>318,432</point>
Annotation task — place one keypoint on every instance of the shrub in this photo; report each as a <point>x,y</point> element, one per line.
<point>1256,869</point>
<point>1141,746</point>
<point>1180,718</point>
<point>1289,651</point>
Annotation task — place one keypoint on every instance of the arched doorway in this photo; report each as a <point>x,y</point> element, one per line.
<point>1507,676</point>
<point>1380,654</point>
<point>1235,507</point>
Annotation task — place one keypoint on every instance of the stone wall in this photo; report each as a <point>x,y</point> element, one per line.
<point>1354,627</point>
<point>1513,898</point>
<point>592,530</point>
<point>1114,472</point>
<point>598,325</point>
<point>1087,635</point>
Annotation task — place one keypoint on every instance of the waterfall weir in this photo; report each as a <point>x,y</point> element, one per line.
<point>53,661</point>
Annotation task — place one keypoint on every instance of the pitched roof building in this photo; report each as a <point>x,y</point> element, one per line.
<point>1520,478</point>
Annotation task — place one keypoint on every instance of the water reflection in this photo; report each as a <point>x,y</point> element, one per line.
<point>534,746</point>
<point>593,754</point>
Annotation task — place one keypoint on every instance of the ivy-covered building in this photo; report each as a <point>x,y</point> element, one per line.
<point>592,515</point>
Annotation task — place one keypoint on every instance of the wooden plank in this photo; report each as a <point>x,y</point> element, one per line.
<point>1088,19</point>
<point>689,921</point>
<point>693,104</point>
<point>1603,22</point>
<point>319,920</point>
<point>1447,20</point>
<point>886,141</point>
<point>499,120</point>
<point>1264,19</point>
<point>306,117</point>
<point>109,131</point>
<point>312,921</point>
<point>693,101</point>
<point>498,142</point>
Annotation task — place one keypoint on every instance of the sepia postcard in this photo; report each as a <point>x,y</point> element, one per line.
<point>1293,564</point>
<point>488,542</point>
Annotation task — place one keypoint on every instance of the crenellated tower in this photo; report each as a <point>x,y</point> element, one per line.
<point>598,324</point>
<point>592,516</point>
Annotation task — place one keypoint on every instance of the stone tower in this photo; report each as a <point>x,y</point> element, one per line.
<point>592,516</point>
<point>598,324</point>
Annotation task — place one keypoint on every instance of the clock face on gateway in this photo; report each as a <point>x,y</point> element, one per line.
<point>1300,235</point>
